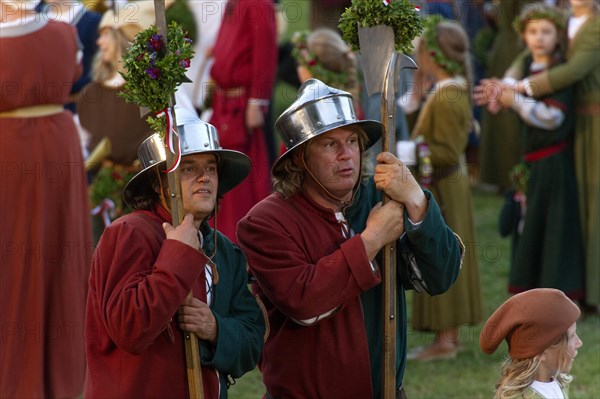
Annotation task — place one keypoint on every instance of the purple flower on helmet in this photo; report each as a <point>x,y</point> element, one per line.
<point>154,73</point>
<point>185,63</point>
<point>187,40</point>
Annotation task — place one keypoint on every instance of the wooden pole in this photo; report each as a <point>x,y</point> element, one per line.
<point>388,140</point>
<point>192,346</point>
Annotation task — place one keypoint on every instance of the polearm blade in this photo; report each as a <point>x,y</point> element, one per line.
<point>377,45</point>
<point>192,346</point>
<point>391,85</point>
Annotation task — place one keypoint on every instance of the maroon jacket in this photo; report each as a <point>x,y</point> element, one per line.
<point>308,274</point>
<point>140,277</point>
<point>305,268</point>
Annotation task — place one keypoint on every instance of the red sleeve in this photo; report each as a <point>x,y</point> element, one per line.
<point>140,283</point>
<point>299,287</point>
<point>264,46</point>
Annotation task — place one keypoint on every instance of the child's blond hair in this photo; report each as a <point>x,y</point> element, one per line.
<point>518,374</point>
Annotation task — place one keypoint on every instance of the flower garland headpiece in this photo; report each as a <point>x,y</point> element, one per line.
<point>430,38</point>
<point>401,15</point>
<point>308,59</point>
<point>538,11</point>
<point>154,69</point>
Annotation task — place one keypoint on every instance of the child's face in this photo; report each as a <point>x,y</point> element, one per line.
<point>107,45</point>
<point>425,59</point>
<point>559,358</point>
<point>541,37</point>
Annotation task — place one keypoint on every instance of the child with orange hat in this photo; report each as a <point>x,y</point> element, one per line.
<point>539,327</point>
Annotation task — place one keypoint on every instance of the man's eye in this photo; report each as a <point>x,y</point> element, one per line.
<point>211,169</point>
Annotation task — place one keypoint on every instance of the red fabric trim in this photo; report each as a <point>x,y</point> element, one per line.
<point>556,104</point>
<point>545,152</point>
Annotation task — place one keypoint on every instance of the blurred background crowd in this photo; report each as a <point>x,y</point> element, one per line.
<point>245,70</point>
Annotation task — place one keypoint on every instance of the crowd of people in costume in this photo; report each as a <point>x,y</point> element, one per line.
<point>277,262</point>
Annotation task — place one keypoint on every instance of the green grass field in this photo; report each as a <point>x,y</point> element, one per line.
<point>473,374</point>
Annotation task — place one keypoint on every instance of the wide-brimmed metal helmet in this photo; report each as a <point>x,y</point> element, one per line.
<point>195,137</point>
<point>318,109</point>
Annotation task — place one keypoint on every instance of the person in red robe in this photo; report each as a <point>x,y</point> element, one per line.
<point>245,61</point>
<point>44,231</point>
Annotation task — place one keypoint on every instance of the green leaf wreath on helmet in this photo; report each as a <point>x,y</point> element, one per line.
<point>154,69</point>
<point>401,15</point>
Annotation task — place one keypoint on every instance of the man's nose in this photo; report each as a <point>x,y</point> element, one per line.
<point>345,151</point>
<point>203,176</point>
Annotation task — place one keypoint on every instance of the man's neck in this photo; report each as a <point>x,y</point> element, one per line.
<point>317,194</point>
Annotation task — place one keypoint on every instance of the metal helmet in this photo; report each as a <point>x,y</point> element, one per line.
<point>318,109</point>
<point>195,136</point>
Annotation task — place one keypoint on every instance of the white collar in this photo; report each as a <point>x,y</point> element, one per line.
<point>24,26</point>
<point>550,390</point>
<point>575,23</point>
<point>537,67</point>
<point>453,81</point>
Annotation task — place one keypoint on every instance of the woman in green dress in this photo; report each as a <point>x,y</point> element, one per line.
<point>443,125</point>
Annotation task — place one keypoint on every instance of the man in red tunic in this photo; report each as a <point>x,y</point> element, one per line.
<point>313,248</point>
<point>143,270</point>
<point>245,60</point>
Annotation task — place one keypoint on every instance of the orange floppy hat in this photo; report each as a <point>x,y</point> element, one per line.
<point>530,322</point>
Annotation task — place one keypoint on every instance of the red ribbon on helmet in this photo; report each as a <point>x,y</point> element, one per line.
<point>104,209</point>
<point>387,3</point>
<point>169,138</point>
